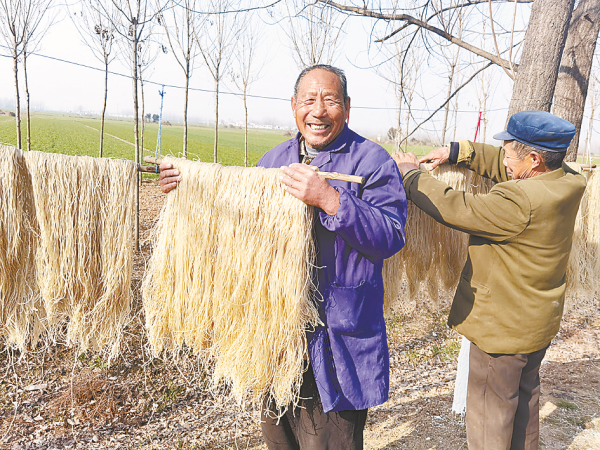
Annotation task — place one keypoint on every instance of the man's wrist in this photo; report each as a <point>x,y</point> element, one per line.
<point>332,203</point>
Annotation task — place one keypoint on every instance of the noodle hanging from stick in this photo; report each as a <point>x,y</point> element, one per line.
<point>84,252</point>
<point>230,277</point>
<point>20,309</point>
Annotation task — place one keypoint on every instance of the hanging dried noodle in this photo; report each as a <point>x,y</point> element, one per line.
<point>434,254</point>
<point>583,271</point>
<point>230,277</point>
<point>83,259</point>
<point>20,309</point>
<point>433,257</point>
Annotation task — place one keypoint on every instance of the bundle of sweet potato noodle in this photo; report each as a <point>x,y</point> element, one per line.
<point>21,313</point>
<point>583,271</point>
<point>230,278</point>
<point>432,259</point>
<point>434,255</point>
<point>75,218</point>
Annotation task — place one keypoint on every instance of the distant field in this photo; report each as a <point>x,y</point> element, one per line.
<point>73,135</point>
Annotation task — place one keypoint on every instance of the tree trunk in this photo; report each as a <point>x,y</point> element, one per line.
<point>185,112</point>
<point>542,52</point>
<point>136,138</point>
<point>216,117</point>
<point>574,74</point>
<point>593,105</point>
<point>245,128</point>
<point>399,125</point>
<point>27,100</point>
<point>17,100</point>
<point>104,106</point>
<point>447,109</point>
<point>143,120</point>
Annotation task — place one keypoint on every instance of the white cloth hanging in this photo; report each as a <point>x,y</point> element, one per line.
<point>459,405</point>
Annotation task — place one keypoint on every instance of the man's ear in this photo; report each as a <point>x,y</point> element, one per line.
<point>294,106</point>
<point>537,160</point>
<point>347,108</point>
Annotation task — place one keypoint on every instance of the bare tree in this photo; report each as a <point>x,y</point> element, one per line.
<point>179,23</point>
<point>216,37</point>
<point>574,74</point>
<point>594,100</point>
<point>483,94</point>
<point>133,25</point>
<point>412,75</point>
<point>315,32</point>
<point>96,26</point>
<point>146,57</point>
<point>542,53</point>
<point>405,65</point>
<point>246,73</point>
<point>542,48</point>
<point>20,26</point>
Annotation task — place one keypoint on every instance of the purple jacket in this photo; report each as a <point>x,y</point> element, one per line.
<point>349,355</point>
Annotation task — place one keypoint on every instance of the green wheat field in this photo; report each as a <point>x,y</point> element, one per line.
<point>77,135</point>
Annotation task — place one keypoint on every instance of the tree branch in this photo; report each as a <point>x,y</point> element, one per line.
<point>410,20</point>
<point>447,100</point>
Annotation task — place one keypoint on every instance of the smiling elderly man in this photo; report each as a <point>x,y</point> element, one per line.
<point>356,228</point>
<point>509,300</point>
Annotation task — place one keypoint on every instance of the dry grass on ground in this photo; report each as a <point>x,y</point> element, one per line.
<point>52,398</point>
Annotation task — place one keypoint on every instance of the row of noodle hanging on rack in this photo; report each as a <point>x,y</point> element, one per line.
<point>230,274</point>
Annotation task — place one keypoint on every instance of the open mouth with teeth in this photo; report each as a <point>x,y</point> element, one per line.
<point>318,127</point>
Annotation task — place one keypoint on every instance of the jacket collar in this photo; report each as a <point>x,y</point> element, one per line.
<point>337,145</point>
<point>554,175</point>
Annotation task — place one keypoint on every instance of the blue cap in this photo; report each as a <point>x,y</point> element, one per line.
<point>539,129</point>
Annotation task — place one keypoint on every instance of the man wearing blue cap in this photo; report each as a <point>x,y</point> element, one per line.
<point>509,300</point>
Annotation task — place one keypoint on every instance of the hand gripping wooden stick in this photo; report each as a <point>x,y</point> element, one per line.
<point>328,175</point>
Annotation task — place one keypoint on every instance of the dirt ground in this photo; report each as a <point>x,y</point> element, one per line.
<point>54,398</point>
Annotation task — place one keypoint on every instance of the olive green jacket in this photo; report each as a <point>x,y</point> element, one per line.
<point>511,292</point>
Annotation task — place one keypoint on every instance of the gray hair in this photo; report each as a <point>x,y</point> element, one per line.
<point>339,72</point>
<point>553,160</point>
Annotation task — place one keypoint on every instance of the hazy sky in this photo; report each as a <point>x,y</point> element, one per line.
<point>59,86</point>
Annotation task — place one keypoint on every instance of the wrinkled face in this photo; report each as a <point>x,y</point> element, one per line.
<point>516,167</point>
<point>319,108</point>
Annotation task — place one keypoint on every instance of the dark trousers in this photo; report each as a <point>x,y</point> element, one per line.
<point>503,400</point>
<point>307,427</point>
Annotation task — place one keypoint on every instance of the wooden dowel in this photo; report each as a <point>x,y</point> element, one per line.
<point>328,175</point>
<point>147,169</point>
<point>152,160</point>
<point>339,176</point>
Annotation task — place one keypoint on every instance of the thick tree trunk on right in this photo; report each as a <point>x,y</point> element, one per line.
<point>574,75</point>
<point>542,52</point>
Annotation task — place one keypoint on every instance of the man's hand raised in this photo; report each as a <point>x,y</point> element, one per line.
<point>436,157</point>
<point>303,183</point>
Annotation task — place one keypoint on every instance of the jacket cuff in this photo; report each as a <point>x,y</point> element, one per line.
<point>465,152</point>
<point>454,148</point>
<point>341,217</point>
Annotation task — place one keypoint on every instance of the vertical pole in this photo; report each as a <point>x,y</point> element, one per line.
<point>162,97</point>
